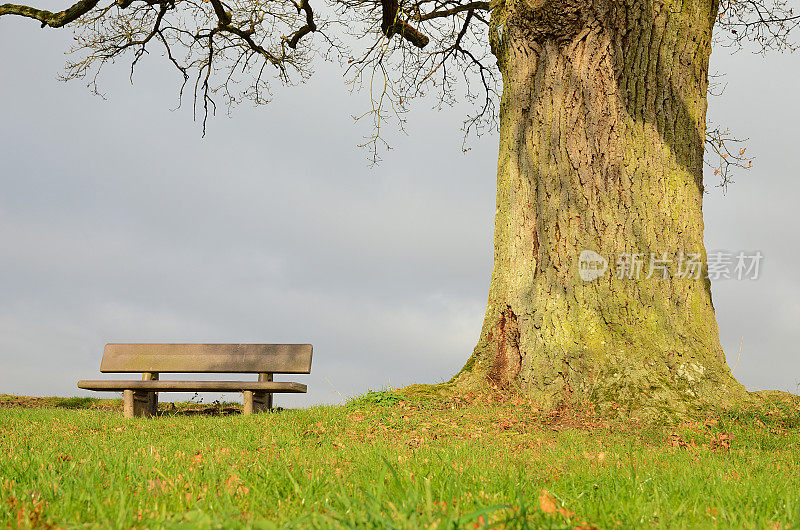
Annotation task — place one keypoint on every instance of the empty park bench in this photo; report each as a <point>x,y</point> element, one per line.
<point>140,398</point>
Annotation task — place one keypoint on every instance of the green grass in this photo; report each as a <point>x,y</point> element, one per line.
<point>384,460</point>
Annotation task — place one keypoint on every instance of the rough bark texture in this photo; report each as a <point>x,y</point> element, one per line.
<point>602,137</point>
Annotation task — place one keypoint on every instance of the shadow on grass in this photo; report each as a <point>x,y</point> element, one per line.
<point>195,409</point>
<point>208,410</point>
<point>74,402</point>
<point>186,408</point>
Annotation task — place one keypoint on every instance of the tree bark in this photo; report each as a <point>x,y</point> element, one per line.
<point>602,128</point>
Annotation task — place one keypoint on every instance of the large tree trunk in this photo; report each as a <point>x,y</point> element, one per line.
<point>601,148</point>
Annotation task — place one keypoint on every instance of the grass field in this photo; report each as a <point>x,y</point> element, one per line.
<point>384,460</point>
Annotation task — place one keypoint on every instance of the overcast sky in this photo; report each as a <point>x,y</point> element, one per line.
<point>120,223</point>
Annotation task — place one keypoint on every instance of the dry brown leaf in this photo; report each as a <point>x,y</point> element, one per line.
<point>599,457</point>
<point>153,484</point>
<point>723,441</point>
<point>677,441</point>
<point>549,505</point>
<point>236,486</point>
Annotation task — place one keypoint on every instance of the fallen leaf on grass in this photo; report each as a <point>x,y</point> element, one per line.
<point>28,515</point>
<point>317,429</point>
<point>677,441</point>
<point>599,457</point>
<point>723,441</point>
<point>162,485</point>
<point>235,485</point>
<point>415,442</point>
<point>549,505</point>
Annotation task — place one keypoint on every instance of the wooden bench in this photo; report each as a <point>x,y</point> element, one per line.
<point>140,398</point>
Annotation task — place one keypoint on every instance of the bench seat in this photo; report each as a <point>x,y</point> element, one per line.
<point>140,398</point>
<point>195,386</point>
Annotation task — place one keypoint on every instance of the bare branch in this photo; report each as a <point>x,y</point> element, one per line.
<point>393,24</point>
<point>47,18</point>
<point>766,23</point>
<point>310,26</point>
<point>729,153</point>
<point>471,6</point>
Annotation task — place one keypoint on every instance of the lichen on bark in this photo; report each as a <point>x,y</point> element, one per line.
<point>602,122</point>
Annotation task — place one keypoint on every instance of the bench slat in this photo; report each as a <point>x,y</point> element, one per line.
<point>194,386</point>
<point>199,358</point>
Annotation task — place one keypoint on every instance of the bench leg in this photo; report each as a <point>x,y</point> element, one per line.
<point>152,396</point>
<point>266,377</point>
<point>153,403</point>
<point>255,402</point>
<point>136,403</point>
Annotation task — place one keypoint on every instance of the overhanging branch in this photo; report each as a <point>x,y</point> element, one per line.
<point>471,6</point>
<point>392,24</point>
<point>48,18</point>
<point>309,26</point>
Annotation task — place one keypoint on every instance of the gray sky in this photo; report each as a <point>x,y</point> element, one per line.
<point>118,222</point>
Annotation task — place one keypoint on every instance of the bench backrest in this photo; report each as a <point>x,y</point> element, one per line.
<point>197,358</point>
